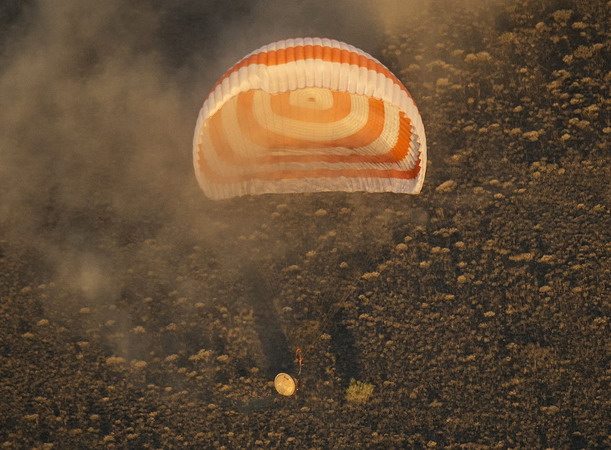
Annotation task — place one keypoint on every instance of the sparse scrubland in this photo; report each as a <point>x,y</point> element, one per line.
<point>477,311</point>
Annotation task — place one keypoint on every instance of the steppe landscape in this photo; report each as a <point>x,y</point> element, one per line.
<point>136,313</point>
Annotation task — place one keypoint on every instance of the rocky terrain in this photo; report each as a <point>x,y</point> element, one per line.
<point>135,313</point>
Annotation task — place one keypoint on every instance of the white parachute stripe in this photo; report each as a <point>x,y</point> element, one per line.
<point>357,119</point>
<point>255,185</point>
<point>241,144</point>
<point>312,98</point>
<point>300,185</point>
<point>283,77</point>
<point>221,168</point>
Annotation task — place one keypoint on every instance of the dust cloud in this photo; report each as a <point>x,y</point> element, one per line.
<point>97,106</point>
<point>99,102</point>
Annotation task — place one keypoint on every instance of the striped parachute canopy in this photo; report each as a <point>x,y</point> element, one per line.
<point>308,115</point>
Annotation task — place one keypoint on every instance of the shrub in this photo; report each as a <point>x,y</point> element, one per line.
<point>358,391</point>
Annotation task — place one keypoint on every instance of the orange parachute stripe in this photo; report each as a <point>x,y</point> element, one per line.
<point>256,133</point>
<point>303,52</point>
<point>275,175</point>
<point>266,138</point>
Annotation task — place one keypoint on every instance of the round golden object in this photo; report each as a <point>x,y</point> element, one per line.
<point>285,384</point>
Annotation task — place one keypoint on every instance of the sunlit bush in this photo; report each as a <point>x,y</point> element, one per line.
<point>358,391</point>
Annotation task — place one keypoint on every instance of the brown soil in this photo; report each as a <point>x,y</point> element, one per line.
<point>151,317</point>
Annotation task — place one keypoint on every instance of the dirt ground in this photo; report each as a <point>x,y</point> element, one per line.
<point>136,313</point>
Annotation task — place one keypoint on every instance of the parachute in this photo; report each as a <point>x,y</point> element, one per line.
<point>308,115</point>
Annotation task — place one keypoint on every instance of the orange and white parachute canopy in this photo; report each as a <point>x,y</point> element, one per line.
<point>308,115</point>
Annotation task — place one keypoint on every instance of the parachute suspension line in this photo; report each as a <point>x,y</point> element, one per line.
<point>333,296</point>
<point>303,116</point>
<point>299,360</point>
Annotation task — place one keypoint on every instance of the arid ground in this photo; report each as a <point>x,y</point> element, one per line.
<point>136,313</point>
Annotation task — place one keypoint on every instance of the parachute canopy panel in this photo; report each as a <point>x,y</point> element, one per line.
<point>308,115</point>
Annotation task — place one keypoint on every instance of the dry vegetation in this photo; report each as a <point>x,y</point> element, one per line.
<point>478,311</point>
